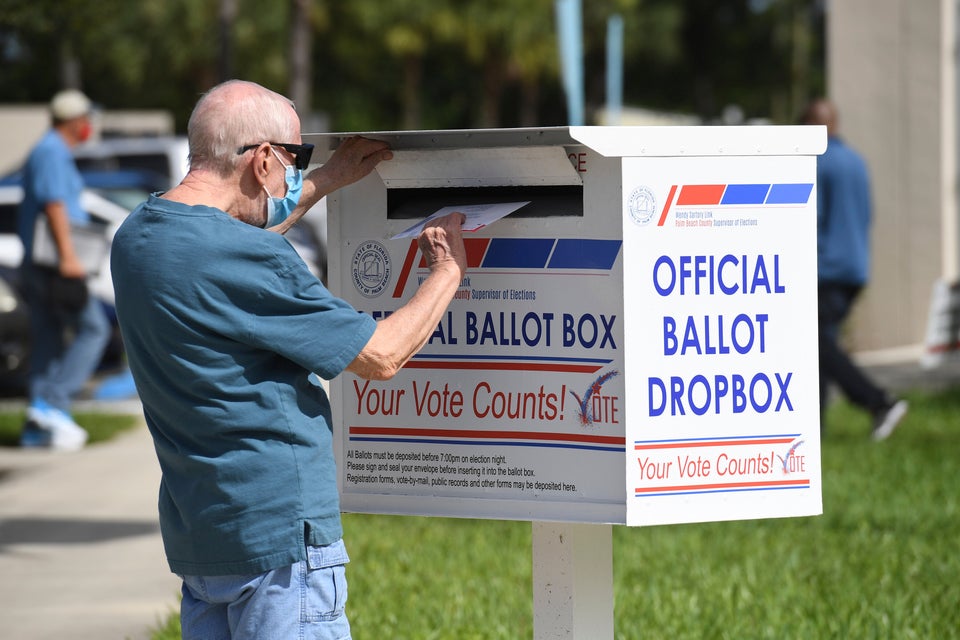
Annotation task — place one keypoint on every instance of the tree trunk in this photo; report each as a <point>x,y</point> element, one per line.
<point>529,102</point>
<point>412,80</point>
<point>493,74</point>
<point>301,44</point>
<point>800,58</point>
<point>70,70</point>
<point>225,20</point>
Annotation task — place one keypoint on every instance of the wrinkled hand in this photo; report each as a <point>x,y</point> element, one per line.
<point>441,242</point>
<point>354,159</point>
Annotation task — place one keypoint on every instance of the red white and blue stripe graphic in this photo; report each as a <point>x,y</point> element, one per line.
<point>752,447</point>
<point>534,255</point>
<point>720,195</point>
<point>487,437</point>
<point>463,362</point>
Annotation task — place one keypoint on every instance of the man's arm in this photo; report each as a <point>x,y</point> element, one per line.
<point>400,335</point>
<point>352,160</point>
<point>59,221</point>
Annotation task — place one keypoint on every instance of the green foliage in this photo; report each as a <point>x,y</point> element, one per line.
<point>438,578</point>
<point>168,629</point>
<point>100,426</point>
<point>878,564</point>
<point>416,63</point>
<point>881,562</point>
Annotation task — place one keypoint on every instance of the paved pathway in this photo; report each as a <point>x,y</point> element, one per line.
<point>80,549</point>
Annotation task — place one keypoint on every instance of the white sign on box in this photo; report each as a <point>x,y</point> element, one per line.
<point>722,366</point>
<point>645,354</point>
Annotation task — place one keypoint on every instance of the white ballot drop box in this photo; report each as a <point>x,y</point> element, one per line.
<point>636,343</point>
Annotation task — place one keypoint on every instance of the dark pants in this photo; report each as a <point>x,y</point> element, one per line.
<point>835,301</point>
<point>66,344</point>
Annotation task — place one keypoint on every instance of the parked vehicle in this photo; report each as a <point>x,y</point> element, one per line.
<point>127,170</point>
<point>14,334</point>
<point>161,161</point>
<point>119,174</point>
<point>14,315</point>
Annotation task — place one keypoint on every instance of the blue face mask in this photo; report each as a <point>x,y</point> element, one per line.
<point>279,209</point>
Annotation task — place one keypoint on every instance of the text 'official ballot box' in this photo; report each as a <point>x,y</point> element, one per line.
<point>637,344</point>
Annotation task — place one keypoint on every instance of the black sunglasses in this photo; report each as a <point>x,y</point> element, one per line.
<point>301,152</point>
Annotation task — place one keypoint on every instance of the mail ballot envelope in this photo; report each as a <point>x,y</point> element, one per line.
<point>634,340</point>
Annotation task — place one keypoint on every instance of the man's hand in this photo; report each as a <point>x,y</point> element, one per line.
<point>71,267</point>
<point>354,159</point>
<point>59,221</point>
<point>441,242</point>
<point>404,332</point>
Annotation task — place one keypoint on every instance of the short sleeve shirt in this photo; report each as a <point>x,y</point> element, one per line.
<point>224,326</point>
<point>49,175</point>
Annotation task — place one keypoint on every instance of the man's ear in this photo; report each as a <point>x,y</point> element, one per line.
<point>260,165</point>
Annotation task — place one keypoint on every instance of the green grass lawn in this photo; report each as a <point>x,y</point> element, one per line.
<point>100,426</point>
<point>882,562</point>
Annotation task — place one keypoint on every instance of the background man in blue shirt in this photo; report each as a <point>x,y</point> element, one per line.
<point>59,365</point>
<point>225,328</point>
<point>843,266</point>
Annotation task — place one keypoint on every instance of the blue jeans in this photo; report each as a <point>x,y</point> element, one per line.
<point>65,348</point>
<point>304,601</point>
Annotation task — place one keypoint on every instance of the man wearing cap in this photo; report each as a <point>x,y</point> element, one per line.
<point>69,328</point>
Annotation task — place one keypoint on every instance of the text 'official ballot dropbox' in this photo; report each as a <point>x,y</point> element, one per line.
<point>636,344</point>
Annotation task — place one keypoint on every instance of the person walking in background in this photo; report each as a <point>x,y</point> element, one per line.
<point>844,212</point>
<point>69,329</point>
<point>226,329</point>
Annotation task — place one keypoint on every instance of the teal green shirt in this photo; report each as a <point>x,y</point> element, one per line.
<point>223,324</point>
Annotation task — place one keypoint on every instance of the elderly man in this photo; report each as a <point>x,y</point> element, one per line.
<point>224,328</point>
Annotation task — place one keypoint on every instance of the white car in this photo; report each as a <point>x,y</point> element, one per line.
<point>163,158</point>
<point>100,209</point>
<point>159,163</point>
<point>14,316</point>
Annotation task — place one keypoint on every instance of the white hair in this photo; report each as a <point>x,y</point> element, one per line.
<point>234,114</point>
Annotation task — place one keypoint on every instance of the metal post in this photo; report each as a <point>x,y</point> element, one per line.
<point>570,39</point>
<point>572,581</point>
<point>614,69</point>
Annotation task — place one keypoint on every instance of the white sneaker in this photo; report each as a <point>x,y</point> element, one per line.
<point>65,434</point>
<point>888,419</point>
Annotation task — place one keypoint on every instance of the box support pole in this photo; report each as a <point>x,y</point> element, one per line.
<point>572,581</point>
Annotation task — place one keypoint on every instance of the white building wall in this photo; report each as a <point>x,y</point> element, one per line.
<point>24,125</point>
<point>890,70</point>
